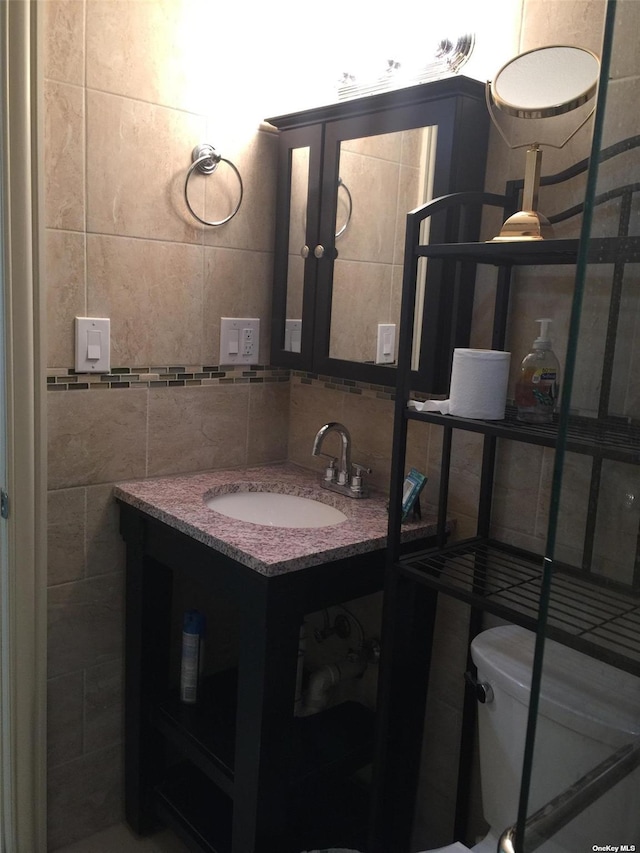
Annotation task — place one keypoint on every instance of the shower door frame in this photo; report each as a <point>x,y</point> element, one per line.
<point>23,439</point>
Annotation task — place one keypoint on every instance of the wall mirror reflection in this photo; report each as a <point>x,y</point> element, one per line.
<point>387,175</point>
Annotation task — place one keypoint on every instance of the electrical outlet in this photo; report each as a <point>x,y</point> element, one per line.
<point>247,341</point>
<point>239,340</point>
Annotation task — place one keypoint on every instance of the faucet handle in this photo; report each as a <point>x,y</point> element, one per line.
<point>330,470</point>
<point>356,479</point>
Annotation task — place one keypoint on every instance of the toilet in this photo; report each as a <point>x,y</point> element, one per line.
<point>587,709</point>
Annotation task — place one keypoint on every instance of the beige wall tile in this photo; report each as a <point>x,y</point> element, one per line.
<point>268,422</point>
<point>418,442</point>
<point>64,718</point>
<point>137,159</point>
<point>103,706</point>
<point>620,121</point>
<point>624,58</point>
<point>64,40</point>
<point>85,796</point>
<point>105,546</point>
<point>517,482</point>
<point>616,532</point>
<point>96,437</point>
<point>371,232</point>
<point>170,68</point>
<point>383,146</point>
<point>236,284</point>
<point>464,480</point>
<point>195,429</point>
<point>64,164</point>
<point>153,293</point>
<point>370,422</point>
<point>312,406</point>
<point>361,298</point>
<point>65,283</point>
<point>534,544</point>
<point>409,197</point>
<point>574,502</point>
<point>255,157</point>
<point>577,22</point>
<point>66,519</point>
<point>86,620</point>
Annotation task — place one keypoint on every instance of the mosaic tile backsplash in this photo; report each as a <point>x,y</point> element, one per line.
<point>169,376</point>
<point>164,376</point>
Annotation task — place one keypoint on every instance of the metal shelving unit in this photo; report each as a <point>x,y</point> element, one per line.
<point>598,618</point>
<point>583,610</point>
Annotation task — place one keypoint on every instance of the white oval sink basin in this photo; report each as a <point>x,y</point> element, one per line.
<point>275,509</point>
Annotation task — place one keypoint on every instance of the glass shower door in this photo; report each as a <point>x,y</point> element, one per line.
<point>581,776</point>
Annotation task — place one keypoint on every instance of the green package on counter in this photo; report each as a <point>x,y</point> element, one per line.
<point>414,483</point>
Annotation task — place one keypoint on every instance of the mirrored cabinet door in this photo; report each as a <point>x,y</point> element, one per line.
<point>296,238</point>
<point>381,177</point>
<point>381,157</point>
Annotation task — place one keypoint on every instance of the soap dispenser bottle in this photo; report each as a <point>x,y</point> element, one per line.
<point>538,384</point>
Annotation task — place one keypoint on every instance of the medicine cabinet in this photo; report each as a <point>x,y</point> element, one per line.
<point>348,174</point>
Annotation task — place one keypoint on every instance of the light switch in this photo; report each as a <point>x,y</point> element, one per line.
<point>93,346</point>
<point>293,335</point>
<point>385,350</point>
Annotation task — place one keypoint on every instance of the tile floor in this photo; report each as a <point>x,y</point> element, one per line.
<point>120,839</point>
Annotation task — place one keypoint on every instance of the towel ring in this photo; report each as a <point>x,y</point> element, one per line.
<point>342,184</point>
<point>206,160</point>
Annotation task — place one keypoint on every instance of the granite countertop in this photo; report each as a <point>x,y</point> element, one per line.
<point>179,502</point>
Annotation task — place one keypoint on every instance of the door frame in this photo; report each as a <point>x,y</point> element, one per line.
<point>23,617</point>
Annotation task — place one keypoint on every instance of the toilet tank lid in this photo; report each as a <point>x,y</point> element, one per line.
<point>585,694</point>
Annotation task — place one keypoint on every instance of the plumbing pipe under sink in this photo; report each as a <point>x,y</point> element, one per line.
<point>321,682</point>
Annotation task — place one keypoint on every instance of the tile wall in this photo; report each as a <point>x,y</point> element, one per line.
<point>120,123</point>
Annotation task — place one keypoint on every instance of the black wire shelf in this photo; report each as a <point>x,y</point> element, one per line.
<point>610,438</point>
<point>602,250</point>
<point>598,618</point>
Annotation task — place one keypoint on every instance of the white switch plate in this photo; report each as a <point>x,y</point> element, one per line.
<point>386,346</point>
<point>293,335</point>
<point>239,340</point>
<point>93,345</point>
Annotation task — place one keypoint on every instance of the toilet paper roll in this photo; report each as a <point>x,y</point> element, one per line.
<point>479,380</point>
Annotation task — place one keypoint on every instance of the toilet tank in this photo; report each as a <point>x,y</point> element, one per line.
<point>587,709</point>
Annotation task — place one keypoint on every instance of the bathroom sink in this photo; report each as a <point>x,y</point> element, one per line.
<point>275,509</point>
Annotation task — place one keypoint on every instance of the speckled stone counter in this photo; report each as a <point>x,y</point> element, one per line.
<point>179,502</point>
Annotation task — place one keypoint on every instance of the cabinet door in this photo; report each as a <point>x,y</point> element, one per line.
<point>298,213</point>
<point>365,165</point>
<point>391,164</point>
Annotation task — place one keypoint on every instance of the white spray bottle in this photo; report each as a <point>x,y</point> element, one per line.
<point>538,384</point>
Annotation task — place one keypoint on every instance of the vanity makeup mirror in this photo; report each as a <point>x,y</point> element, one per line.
<point>540,84</point>
<point>348,174</point>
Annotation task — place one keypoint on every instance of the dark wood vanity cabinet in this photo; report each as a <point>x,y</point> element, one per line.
<point>348,175</point>
<point>237,772</point>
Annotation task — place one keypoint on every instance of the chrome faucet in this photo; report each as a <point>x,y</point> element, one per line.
<point>340,479</point>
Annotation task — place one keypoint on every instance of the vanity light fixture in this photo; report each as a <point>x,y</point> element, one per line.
<point>447,58</point>
<point>540,84</point>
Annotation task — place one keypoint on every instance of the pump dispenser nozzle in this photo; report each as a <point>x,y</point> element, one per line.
<point>542,341</point>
